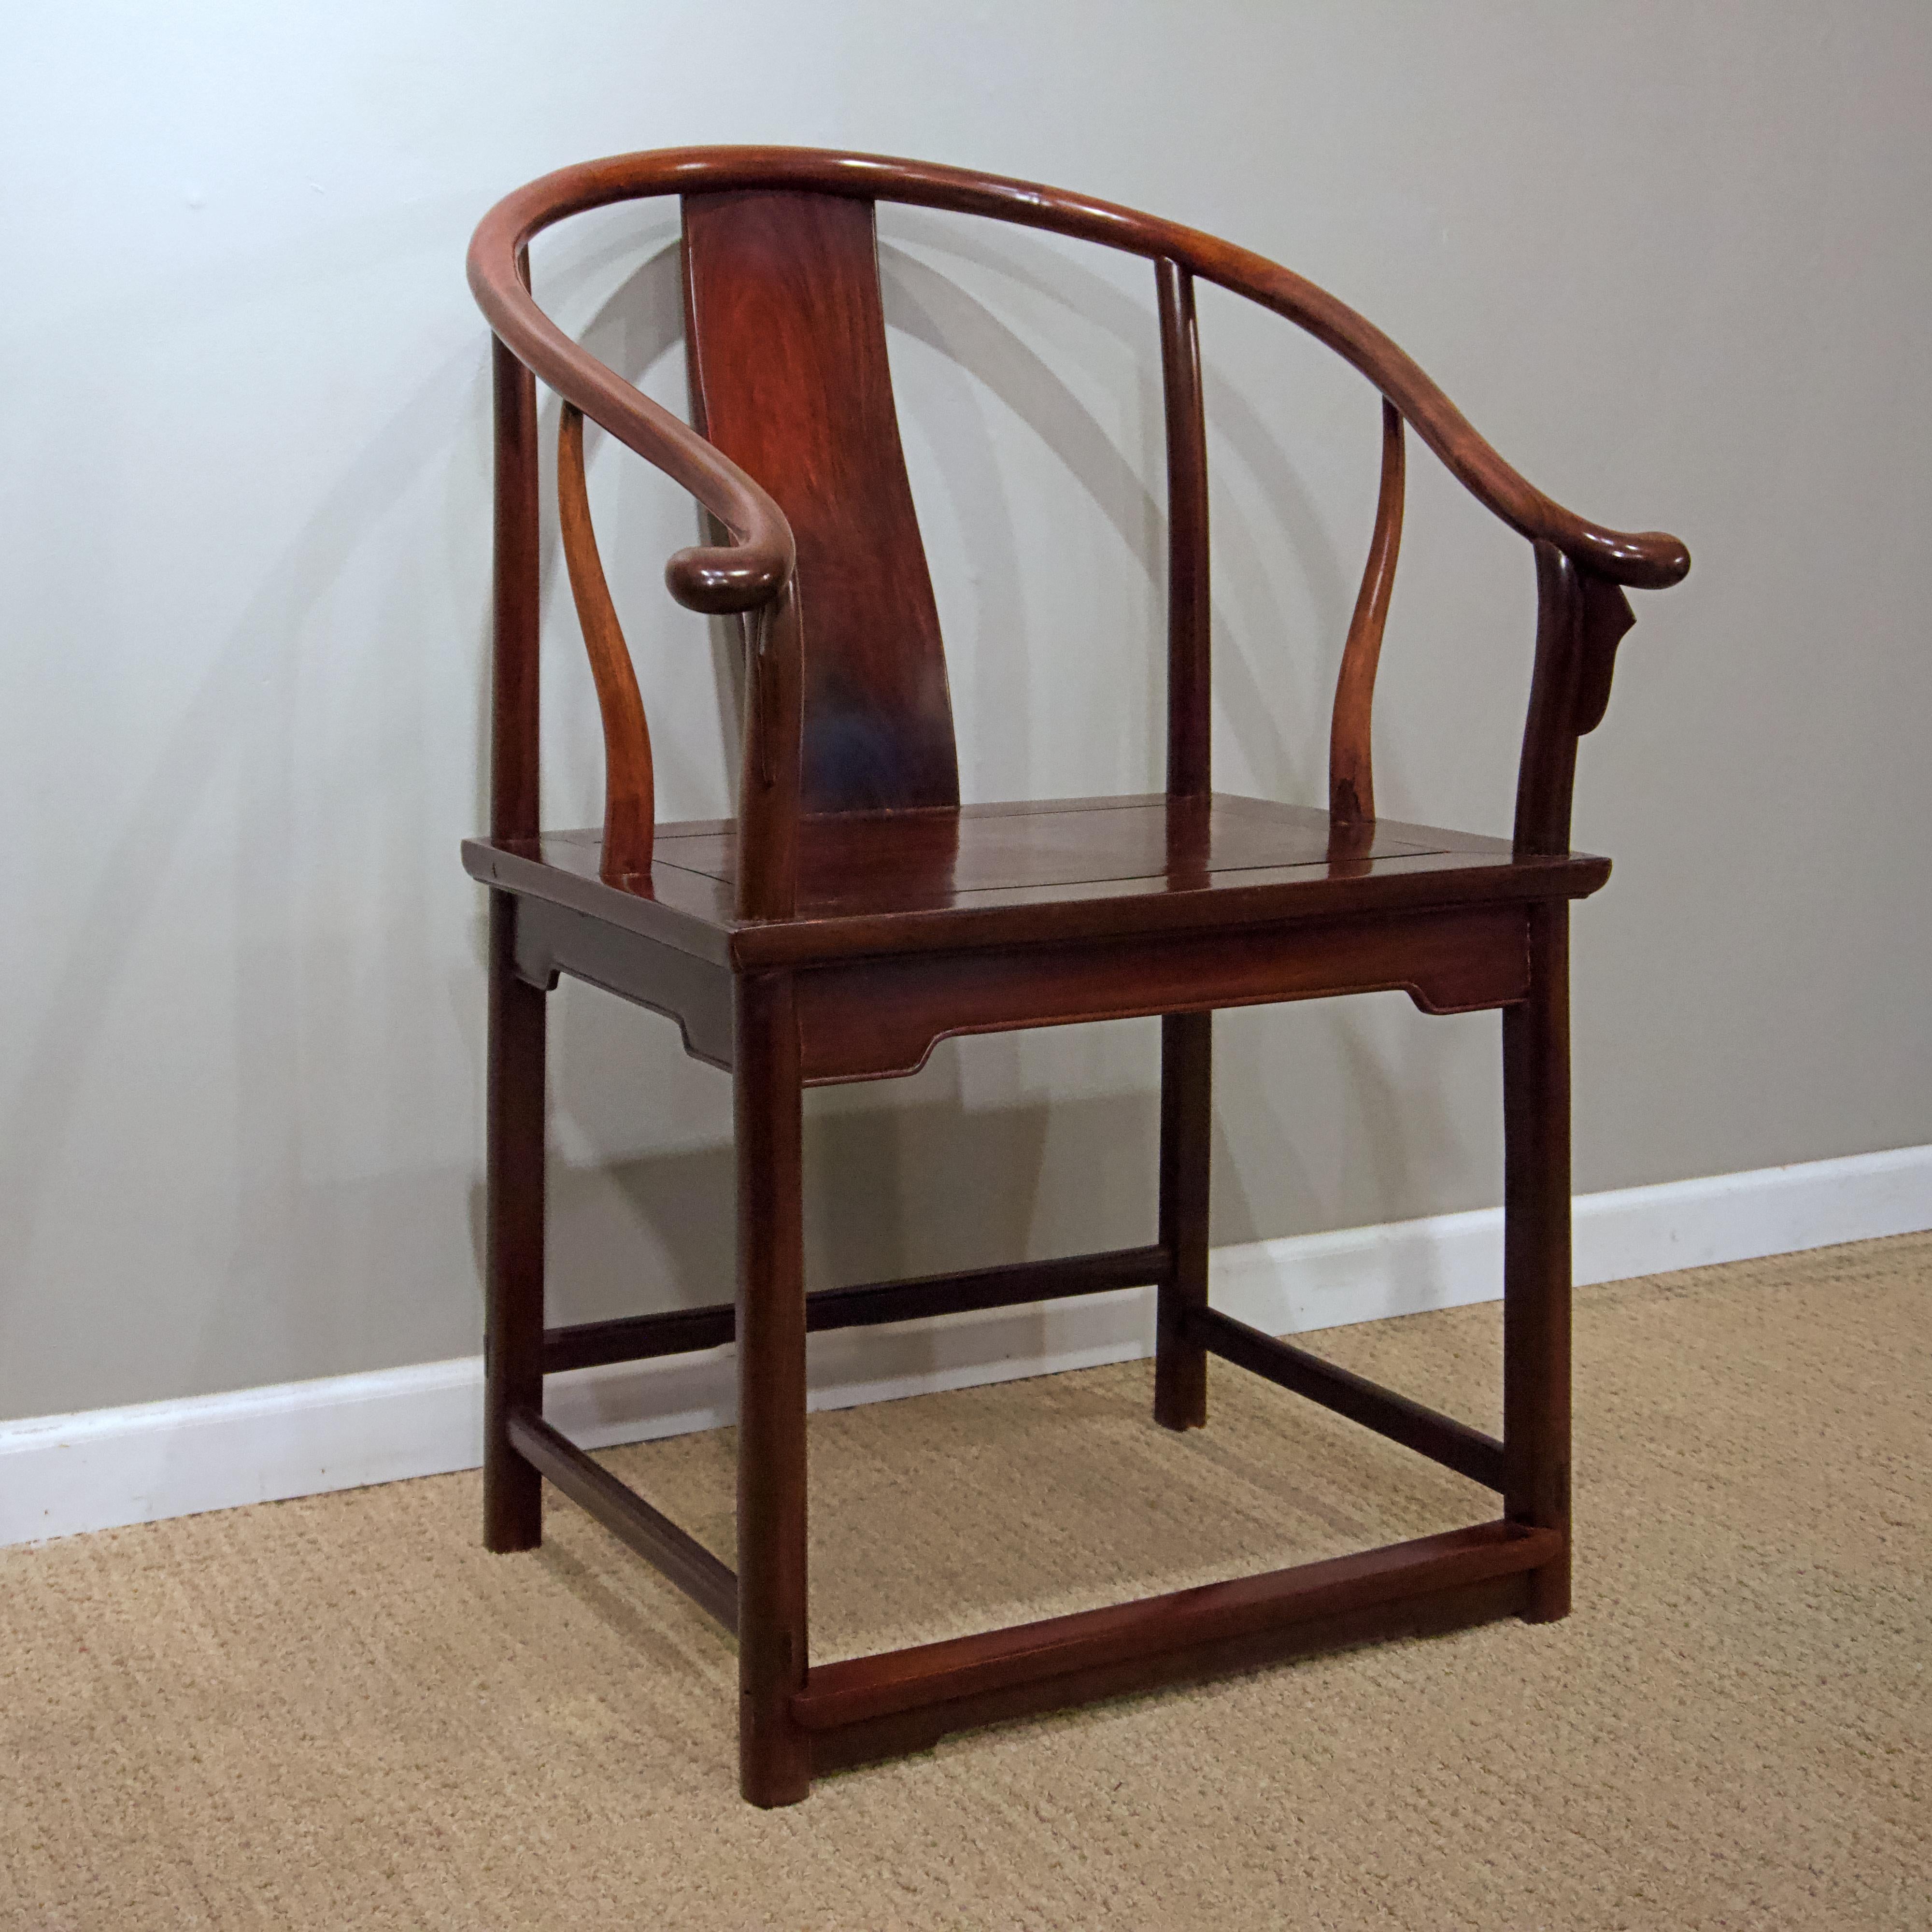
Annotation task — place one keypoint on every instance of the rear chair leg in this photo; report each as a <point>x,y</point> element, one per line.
<point>1186,1126</point>
<point>774,1752</point>
<point>1536,1255</point>
<point>513,1185</point>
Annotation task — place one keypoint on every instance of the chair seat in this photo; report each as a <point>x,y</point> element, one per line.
<point>949,878</point>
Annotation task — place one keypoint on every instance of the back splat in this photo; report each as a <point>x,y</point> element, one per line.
<point>787,343</point>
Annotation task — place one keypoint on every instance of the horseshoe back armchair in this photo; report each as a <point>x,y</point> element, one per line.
<point>855,912</point>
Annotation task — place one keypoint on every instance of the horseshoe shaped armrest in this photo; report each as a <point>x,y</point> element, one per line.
<point>750,572</point>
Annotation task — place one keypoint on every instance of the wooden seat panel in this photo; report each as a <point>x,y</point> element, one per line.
<point>1032,872</point>
<point>903,862</point>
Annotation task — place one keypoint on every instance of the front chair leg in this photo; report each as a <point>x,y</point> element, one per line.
<point>1536,1255</point>
<point>774,1752</point>
<point>513,1214</point>
<point>1187,1128</point>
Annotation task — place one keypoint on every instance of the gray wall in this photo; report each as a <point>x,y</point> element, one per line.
<point>1674,259</point>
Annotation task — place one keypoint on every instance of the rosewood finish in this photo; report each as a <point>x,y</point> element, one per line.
<point>1351,787</point>
<point>1441,1438</point>
<point>1421,1611</point>
<point>836,1695</point>
<point>1188,604</point>
<point>786,342</point>
<point>630,792</point>
<point>638,1337</point>
<point>626,1515</point>
<point>853,912</point>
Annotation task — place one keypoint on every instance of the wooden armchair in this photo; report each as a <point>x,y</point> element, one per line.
<point>855,912</point>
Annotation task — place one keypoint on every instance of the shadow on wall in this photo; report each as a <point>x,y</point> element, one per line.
<point>937,311</point>
<point>890,1191</point>
<point>907,1178</point>
<point>329,1243</point>
<point>237,728</point>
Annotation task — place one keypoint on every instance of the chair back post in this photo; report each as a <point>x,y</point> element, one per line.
<point>769,781</point>
<point>513,699</point>
<point>1189,699</point>
<point>1581,619</point>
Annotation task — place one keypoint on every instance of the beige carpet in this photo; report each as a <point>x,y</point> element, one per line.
<point>341,1712</point>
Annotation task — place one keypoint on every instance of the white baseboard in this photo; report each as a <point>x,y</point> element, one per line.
<point>62,1474</point>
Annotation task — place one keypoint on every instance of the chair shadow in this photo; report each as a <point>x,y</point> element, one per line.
<point>655,1230</point>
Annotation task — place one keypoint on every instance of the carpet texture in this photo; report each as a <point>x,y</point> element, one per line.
<point>340,1711</point>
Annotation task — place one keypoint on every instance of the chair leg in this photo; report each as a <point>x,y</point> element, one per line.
<point>774,1752</point>
<point>1536,1255</point>
<point>1186,1126</point>
<point>513,1185</point>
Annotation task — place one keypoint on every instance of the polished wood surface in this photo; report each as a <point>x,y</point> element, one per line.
<point>1649,558</point>
<point>1190,620</point>
<point>774,1760</point>
<point>871,1687</point>
<point>1186,1141</point>
<point>514,1128</point>
<point>1441,1438</point>
<point>1417,1613</point>
<point>770,757</point>
<point>638,1338</point>
<point>1580,621</point>
<point>763,219</point>
<point>693,911</point>
<point>1536,1255</point>
<point>859,863</point>
<point>869,1019</point>
<point>516,613</point>
<point>513,1265</point>
<point>552,940</point>
<point>786,337</point>
<point>630,794</point>
<point>852,912</point>
<point>1351,785</point>
<point>1546,776</point>
<point>672,1551</point>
